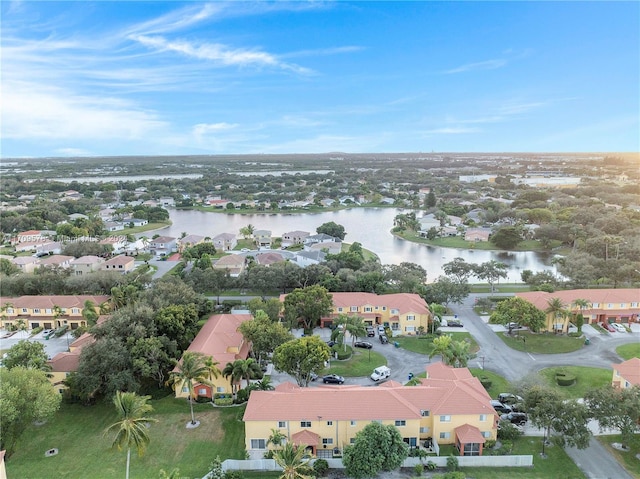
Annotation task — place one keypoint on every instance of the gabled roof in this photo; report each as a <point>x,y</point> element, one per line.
<point>225,237</point>
<point>269,258</point>
<point>230,260</point>
<point>219,335</point>
<point>306,437</point>
<point>65,362</point>
<point>629,370</point>
<point>89,259</point>
<point>540,299</point>
<point>469,434</point>
<point>403,302</point>
<point>121,259</point>
<point>48,302</point>
<point>163,239</point>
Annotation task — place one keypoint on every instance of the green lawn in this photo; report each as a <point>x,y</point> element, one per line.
<point>586,378</point>
<point>461,243</point>
<point>147,227</point>
<point>498,383</point>
<point>77,432</point>
<point>628,459</point>
<point>424,344</point>
<point>628,351</point>
<point>556,465</point>
<point>362,363</point>
<point>542,343</point>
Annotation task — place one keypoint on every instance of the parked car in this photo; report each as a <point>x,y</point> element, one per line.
<point>47,333</point>
<point>619,327</point>
<point>333,379</point>
<point>313,376</point>
<point>8,334</point>
<point>380,329</point>
<point>363,344</point>
<point>513,326</point>
<point>500,407</point>
<point>608,327</point>
<point>518,418</point>
<point>384,339</point>
<point>331,343</point>
<point>371,332</point>
<point>509,398</point>
<point>245,250</point>
<point>454,323</point>
<point>381,372</point>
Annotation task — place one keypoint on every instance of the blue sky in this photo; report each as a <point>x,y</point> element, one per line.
<point>165,78</point>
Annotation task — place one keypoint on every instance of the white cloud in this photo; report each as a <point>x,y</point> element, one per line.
<point>72,152</point>
<point>485,65</point>
<point>451,131</point>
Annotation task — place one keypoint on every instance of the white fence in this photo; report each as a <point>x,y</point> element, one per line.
<point>439,461</point>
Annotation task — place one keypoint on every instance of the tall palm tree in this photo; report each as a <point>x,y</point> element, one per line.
<point>250,369</point>
<point>131,428</point>
<point>192,369</point>
<point>581,305</point>
<point>354,325</point>
<point>557,308</point>
<point>291,459</point>
<point>233,373</point>
<point>89,312</point>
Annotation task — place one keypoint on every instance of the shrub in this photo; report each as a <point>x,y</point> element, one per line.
<point>61,330</point>
<point>320,467</point>
<point>418,469</point>
<point>486,382</point>
<point>341,353</point>
<point>269,454</point>
<point>233,475</point>
<point>507,431</point>
<point>202,399</point>
<point>489,444</point>
<point>222,395</point>
<point>242,396</point>
<point>565,379</point>
<point>454,475</point>
<point>507,446</point>
<point>574,335</point>
<point>452,463</point>
<point>35,331</point>
<point>223,402</point>
<point>547,288</point>
<point>430,466</point>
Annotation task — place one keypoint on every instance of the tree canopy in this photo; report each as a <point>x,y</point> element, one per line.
<point>518,310</point>
<point>332,229</point>
<point>307,306</point>
<point>300,357</point>
<point>617,409</point>
<point>376,448</point>
<point>28,354</point>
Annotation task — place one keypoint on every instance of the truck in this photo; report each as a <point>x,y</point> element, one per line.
<point>381,372</point>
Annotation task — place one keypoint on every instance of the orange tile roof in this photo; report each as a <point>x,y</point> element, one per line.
<point>218,335</point>
<point>48,302</point>
<point>55,259</point>
<point>389,401</point>
<point>403,302</point>
<point>469,434</point>
<point>629,370</point>
<point>65,362</point>
<point>306,437</point>
<point>121,259</point>
<point>540,299</point>
<point>231,260</point>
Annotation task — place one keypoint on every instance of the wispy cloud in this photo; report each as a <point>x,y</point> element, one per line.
<point>451,131</point>
<point>485,65</point>
<point>323,52</point>
<point>218,53</point>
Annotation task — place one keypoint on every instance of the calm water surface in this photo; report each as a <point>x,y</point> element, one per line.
<point>368,226</point>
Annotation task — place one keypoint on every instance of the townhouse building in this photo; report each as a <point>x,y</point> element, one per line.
<point>450,406</point>
<point>626,374</point>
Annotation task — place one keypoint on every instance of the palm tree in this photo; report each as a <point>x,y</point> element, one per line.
<point>581,304</point>
<point>212,366</point>
<point>291,459</point>
<point>89,312</point>
<point>354,325</point>
<point>131,429</point>
<point>232,373</point>
<point>265,384</point>
<point>192,369</point>
<point>557,308</point>
<point>459,353</point>
<point>246,369</point>
<point>276,438</point>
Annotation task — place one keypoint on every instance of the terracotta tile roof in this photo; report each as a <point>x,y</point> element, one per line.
<point>65,362</point>
<point>218,335</point>
<point>269,258</point>
<point>121,259</point>
<point>55,260</point>
<point>48,302</point>
<point>403,302</point>
<point>230,261</point>
<point>25,260</point>
<point>163,239</point>
<point>540,299</point>
<point>84,340</point>
<point>389,401</point>
<point>629,370</point>
<point>29,233</point>
<point>89,259</point>
<point>469,434</point>
<point>306,437</point>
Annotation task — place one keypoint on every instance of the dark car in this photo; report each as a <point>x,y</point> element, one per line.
<point>384,339</point>
<point>331,343</point>
<point>371,332</point>
<point>363,344</point>
<point>332,378</point>
<point>454,323</point>
<point>509,398</point>
<point>518,418</point>
<point>500,407</point>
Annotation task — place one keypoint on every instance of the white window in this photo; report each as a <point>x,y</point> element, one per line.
<point>384,308</point>
<point>609,305</point>
<point>185,389</point>
<point>9,310</point>
<point>446,418</point>
<point>395,311</point>
<point>596,305</point>
<point>305,423</point>
<point>48,311</point>
<point>486,434</point>
<point>327,441</point>
<point>400,422</point>
<point>258,444</point>
<point>410,329</point>
<point>353,423</point>
<point>36,310</point>
<point>220,389</point>
<point>367,309</point>
<point>424,412</point>
<point>627,384</point>
<point>376,308</point>
<point>483,417</point>
<point>202,392</point>
<point>623,305</point>
<point>75,310</point>
<point>424,429</point>
<point>634,305</point>
<point>282,424</point>
<point>329,423</point>
<point>24,310</point>
<point>353,309</point>
<point>445,435</point>
<point>339,310</point>
<point>411,317</point>
<point>395,326</point>
<point>352,440</point>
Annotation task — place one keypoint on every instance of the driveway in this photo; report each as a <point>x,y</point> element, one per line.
<point>52,345</point>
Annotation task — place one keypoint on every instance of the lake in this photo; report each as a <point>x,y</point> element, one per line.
<point>369,226</point>
<point>117,179</point>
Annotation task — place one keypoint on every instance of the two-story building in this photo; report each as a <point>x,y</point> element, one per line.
<point>450,406</point>
<point>48,312</point>
<point>262,238</point>
<point>56,261</point>
<point>189,241</point>
<point>225,241</point>
<point>403,313</point>
<point>626,374</point>
<point>86,264</point>
<point>163,245</point>
<point>294,237</point>
<point>219,339</point>
<point>121,264</point>
<point>602,306</point>
<point>235,264</point>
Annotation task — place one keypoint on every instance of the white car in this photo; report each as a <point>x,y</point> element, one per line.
<point>619,327</point>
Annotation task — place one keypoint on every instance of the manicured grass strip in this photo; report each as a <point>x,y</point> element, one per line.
<point>424,344</point>
<point>628,351</point>
<point>77,432</point>
<point>498,383</point>
<point>359,365</point>
<point>586,378</point>
<point>557,464</point>
<point>542,343</point>
<point>461,243</point>
<point>628,458</point>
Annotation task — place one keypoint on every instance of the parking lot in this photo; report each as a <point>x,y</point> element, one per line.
<point>52,345</point>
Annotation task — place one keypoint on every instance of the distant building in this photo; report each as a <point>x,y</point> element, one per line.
<point>626,374</point>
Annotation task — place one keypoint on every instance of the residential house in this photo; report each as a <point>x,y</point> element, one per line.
<point>262,238</point>
<point>135,222</point>
<point>189,241</point>
<point>51,247</point>
<point>449,406</point>
<point>477,234</point>
<point>48,312</point>
<point>225,241</point>
<point>121,264</point>
<point>166,201</point>
<point>329,247</point>
<point>220,340</point>
<point>86,264</point>
<point>626,374</point>
<point>138,246</point>
<point>267,259</point>
<point>112,226</point>
<point>29,236</point>
<point>118,243</point>
<point>106,214</point>
<point>27,264</point>
<point>217,203</point>
<point>294,237</point>
<point>233,263</point>
<point>77,216</point>
<point>25,246</point>
<point>320,238</point>
<point>163,245</point>
<point>604,305</point>
<point>65,363</point>
<point>56,260</point>
<point>307,258</point>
